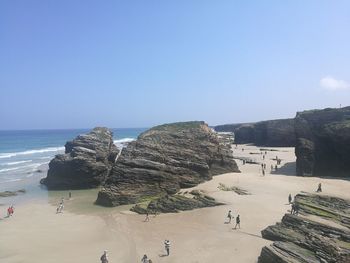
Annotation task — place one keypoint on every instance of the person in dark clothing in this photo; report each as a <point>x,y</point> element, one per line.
<point>147,217</point>
<point>229,216</point>
<point>289,198</point>
<point>104,257</point>
<point>238,222</point>
<point>319,189</point>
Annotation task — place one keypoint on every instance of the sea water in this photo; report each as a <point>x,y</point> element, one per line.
<point>23,153</point>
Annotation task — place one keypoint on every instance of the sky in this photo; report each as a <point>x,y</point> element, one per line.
<point>79,64</point>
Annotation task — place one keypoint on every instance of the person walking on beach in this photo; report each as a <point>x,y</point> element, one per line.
<point>9,211</point>
<point>70,195</point>
<point>229,216</point>
<point>147,217</point>
<point>238,222</point>
<point>319,189</point>
<point>167,247</point>
<point>263,172</point>
<point>104,257</point>
<point>289,198</point>
<point>144,259</point>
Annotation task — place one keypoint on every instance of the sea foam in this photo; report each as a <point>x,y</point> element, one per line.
<point>44,150</point>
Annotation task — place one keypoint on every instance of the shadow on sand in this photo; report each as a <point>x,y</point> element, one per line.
<point>286,169</point>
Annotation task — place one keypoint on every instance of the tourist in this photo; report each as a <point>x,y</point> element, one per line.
<point>289,198</point>
<point>9,211</point>
<point>144,259</point>
<point>238,222</point>
<point>263,172</point>
<point>229,216</point>
<point>167,247</point>
<point>292,209</point>
<point>104,257</point>
<point>147,216</point>
<point>319,189</point>
<point>264,166</point>
<point>70,195</point>
<point>271,167</point>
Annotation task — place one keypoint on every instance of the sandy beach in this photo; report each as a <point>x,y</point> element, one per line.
<point>80,234</point>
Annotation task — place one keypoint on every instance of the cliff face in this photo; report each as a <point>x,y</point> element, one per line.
<point>164,159</point>
<point>324,237</point>
<point>86,162</point>
<point>273,133</point>
<point>323,142</point>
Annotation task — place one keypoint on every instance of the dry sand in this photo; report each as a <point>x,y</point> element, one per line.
<point>80,234</point>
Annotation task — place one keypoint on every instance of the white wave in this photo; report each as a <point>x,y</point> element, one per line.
<point>49,149</point>
<point>124,140</point>
<point>25,167</point>
<point>11,180</point>
<point>9,169</point>
<point>45,157</point>
<point>19,162</point>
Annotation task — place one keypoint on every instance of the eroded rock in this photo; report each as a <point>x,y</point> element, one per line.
<point>86,162</point>
<point>164,159</point>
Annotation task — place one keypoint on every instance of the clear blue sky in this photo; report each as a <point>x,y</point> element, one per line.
<point>77,64</point>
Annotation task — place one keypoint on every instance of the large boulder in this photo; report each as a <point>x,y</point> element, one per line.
<point>323,142</point>
<point>164,159</point>
<point>272,133</point>
<point>320,233</point>
<point>86,162</point>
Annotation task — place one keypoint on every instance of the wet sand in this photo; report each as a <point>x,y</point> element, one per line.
<point>80,234</point>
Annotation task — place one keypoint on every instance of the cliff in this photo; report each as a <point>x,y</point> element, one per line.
<point>86,162</point>
<point>164,159</point>
<point>320,233</point>
<point>323,142</point>
<point>273,133</point>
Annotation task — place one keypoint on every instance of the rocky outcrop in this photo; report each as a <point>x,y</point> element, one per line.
<point>320,233</point>
<point>12,193</point>
<point>176,203</point>
<point>164,159</point>
<point>272,133</point>
<point>323,142</point>
<point>86,162</point>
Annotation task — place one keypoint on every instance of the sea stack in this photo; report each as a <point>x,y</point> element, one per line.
<point>164,159</point>
<point>323,142</point>
<point>86,162</point>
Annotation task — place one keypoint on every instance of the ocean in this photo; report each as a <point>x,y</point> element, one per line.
<point>23,152</point>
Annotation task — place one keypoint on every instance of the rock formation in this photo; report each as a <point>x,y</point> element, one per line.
<point>164,159</point>
<point>175,203</point>
<point>323,142</point>
<point>320,233</point>
<point>86,162</point>
<point>273,133</point>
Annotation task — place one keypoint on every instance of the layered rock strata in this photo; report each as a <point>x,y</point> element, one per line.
<point>164,159</point>
<point>86,162</point>
<point>320,233</point>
